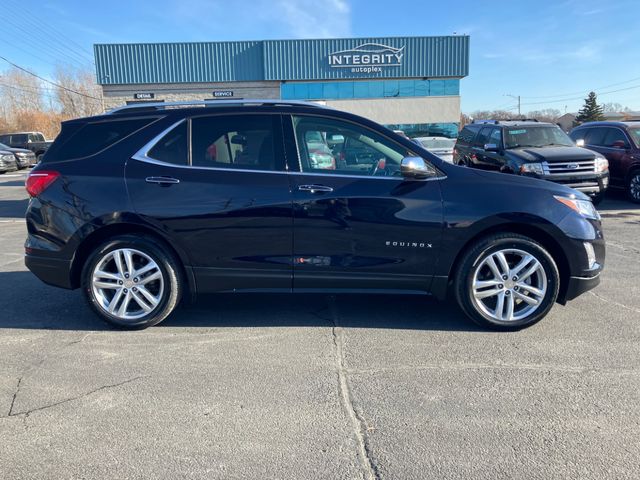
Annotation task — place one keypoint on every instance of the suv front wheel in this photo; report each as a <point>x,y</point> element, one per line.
<point>507,282</point>
<point>633,186</point>
<point>132,281</point>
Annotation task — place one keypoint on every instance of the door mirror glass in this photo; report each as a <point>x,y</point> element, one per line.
<point>490,147</point>
<point>416,167</point>
<point>580,142</point>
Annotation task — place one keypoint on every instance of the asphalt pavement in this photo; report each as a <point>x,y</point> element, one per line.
<point>316,386</point>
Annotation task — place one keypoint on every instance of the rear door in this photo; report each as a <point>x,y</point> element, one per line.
<point>359,226</point>
<point>217,186</point>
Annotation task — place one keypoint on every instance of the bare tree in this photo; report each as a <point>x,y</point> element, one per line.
<point>80,96</point>
<point>550,115</point>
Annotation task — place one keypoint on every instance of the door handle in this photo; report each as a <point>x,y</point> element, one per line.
<point>162,181</point>
<point>315,188</point>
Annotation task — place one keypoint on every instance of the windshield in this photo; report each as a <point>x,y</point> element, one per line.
<point>438,142</point>
<point>4,147</point>
<point>535,137</point>
<point>635,134</point>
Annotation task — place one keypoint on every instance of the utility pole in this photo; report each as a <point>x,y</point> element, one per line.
<point>517,97</point>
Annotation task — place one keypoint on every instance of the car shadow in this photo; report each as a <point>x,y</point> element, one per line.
<point>13,208</point>
<point>27,303</point>
<point>616,201</point>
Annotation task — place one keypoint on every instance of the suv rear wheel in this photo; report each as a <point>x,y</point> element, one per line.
<point>507,282</point>
<point>132,281</point>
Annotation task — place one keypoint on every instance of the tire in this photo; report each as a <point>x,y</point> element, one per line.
<point>633,186</point>
<point>152,295</point>
<point>476,265</point>
<point>598,198</point>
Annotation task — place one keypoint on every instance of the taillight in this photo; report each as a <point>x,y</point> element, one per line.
<point>38,182</point>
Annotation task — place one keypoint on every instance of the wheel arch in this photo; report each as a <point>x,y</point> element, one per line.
<point>100,235</point>
<point>536,233</point>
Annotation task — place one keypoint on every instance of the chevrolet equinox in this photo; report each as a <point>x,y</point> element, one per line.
<point>147,205</point>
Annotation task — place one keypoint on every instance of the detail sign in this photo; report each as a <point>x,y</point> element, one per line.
<point>144,96</point>
<point>222,93</point>
<point>367,58</point>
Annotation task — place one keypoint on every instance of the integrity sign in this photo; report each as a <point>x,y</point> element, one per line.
<point>367,58</point>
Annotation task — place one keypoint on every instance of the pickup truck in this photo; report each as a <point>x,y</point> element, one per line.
<point>33,141</point>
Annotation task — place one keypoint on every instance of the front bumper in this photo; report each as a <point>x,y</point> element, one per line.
<point>576,286</point>
<point>590,184</point>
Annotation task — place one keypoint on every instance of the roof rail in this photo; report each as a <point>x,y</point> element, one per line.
<point>492,122</point>
<point>209,103</point>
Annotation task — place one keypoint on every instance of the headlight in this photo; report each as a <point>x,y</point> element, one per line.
<point>602,164</point>
<point>582,207</point>
<point>532,168</point>
<point>7,158</point>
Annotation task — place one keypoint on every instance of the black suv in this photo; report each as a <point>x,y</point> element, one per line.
<point>147,205</point>
<point>535,149</point>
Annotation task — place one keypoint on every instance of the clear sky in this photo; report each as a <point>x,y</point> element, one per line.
<point>549,52</point>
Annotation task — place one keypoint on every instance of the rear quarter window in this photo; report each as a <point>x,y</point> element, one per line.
<point>91,138</point>
<point>466,135</point>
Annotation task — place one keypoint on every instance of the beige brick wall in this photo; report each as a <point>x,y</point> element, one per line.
<point>118,95</point>
<point>403,110</point>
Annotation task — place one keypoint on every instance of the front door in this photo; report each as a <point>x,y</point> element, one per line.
<point>225,201</point>
<point>358,224</point>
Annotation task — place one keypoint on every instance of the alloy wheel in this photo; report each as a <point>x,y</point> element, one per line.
<point>127,284</point>
<point>509,285</point>
<point>634,187</point>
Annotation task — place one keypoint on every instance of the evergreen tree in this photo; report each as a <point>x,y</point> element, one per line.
<point>591,111</point>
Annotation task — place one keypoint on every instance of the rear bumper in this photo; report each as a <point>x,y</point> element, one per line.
<point>579,285</point>
<point>52,271</point>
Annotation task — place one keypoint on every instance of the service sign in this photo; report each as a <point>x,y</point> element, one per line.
<point>144,96</point>
<point>367,58</point>
<point>222,93</point>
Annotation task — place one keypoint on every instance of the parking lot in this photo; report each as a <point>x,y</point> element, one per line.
<point>315,386</point>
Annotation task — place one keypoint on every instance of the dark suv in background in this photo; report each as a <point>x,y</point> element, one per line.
<point>534,149</point>
<point>619,142</point>
<point>146,205</point>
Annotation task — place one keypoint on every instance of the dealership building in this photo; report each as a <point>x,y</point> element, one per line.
<point>408,83</point>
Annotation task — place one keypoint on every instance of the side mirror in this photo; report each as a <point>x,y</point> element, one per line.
<point>416,167</point>
<point>619,144</point>
<point>580,142</point>
<point>239,140</point>
<point>490,147</point>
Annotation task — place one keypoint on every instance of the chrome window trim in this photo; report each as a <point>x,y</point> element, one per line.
<point>143,153</point>
<point>142,156</point>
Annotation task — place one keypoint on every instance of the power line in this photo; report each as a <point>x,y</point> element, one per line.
<point>581,97</point>
<point>49,81</point>
<point>41,43</point>
<point>40,26</point>
<point>583,91</point>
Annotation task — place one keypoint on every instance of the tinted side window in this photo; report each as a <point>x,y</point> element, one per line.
<point>496,137</point>
<point>235,141</point>
<point>483,137</point>
<point>615,135</point>
<point>467,134</point>
<point>332,146</point>
<point>173,147</point>
<point>92,138</point>
<point>595,136</point>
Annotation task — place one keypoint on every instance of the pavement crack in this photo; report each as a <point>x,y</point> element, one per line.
<point>15,394</point>
<point>26,413</point>
<point>360,426</point>
<point>613,302</point>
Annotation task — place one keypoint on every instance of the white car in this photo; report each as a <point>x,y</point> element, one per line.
<point>440,146</point>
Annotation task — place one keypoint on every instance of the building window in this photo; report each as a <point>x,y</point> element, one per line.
<point>369,89</point>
